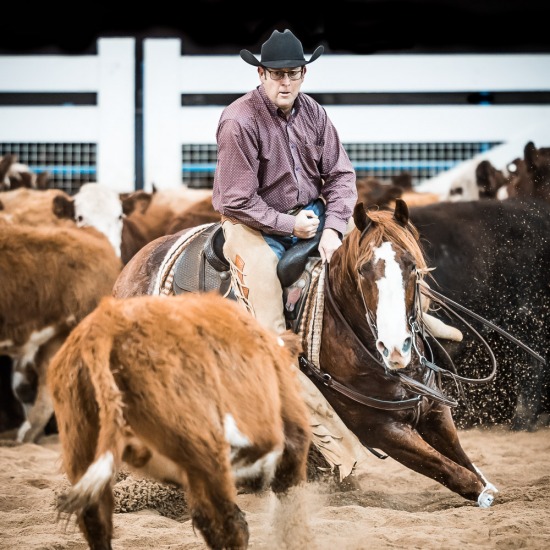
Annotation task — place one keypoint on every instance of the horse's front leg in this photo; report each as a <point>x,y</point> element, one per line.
<point>439,430</point>
<point>404,444</point>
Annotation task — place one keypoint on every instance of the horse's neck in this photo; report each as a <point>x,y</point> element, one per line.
<point>347,300</point>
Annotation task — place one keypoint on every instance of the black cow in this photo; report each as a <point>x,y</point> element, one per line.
<point>493,257</point>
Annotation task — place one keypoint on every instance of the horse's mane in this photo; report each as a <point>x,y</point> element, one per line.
<point>384,228</point>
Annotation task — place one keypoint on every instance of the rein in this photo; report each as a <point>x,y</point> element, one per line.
<point>327,380</point>
<point>446,303</point>
<point>421,389</point>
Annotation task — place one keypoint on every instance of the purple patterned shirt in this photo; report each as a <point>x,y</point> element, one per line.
<point>268,165</point>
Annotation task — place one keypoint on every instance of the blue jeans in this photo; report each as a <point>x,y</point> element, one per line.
<point>280,244</point>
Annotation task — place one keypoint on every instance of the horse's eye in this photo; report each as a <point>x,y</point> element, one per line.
<point>80,219</point>
<point>407,345</point>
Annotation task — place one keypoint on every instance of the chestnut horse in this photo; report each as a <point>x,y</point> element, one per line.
<point>370,364</point>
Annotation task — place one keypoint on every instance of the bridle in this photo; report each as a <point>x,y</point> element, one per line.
<point>418,330</point>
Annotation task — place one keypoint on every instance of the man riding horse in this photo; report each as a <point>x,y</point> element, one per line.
<point>279,159</point>
<point>282,177</point>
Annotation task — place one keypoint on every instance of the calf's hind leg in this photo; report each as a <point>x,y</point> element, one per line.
<point>292,469</point>
<point>211,497</point>
<point>96,522</point>
<point>42,409</point>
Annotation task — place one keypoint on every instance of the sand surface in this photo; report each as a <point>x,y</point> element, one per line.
<point>393,507</point>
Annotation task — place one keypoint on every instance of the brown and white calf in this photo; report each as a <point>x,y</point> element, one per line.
<point>110,212</point>
<point>188,389</point>
<point>50,278</point>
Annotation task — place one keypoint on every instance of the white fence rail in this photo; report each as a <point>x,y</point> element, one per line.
<point>110,124</point>
<point>168,74</point>
<point>167,125</point>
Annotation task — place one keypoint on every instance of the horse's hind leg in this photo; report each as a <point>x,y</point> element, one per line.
<point>439,430</point>
<point>211,497</point>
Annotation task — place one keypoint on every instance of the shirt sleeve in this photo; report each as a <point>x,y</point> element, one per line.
<point>339,177</point>
<point>237,181</point>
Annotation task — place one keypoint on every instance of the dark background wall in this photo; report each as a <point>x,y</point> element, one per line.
<point>343,26</point>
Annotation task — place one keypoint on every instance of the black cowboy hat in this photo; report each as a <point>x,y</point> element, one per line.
<point>282,49</point>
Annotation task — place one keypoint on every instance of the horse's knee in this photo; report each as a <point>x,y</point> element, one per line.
<point>228,530</point>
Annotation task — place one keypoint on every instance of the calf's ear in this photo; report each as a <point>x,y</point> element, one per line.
<point>293,342</point>
<point>63,207</point>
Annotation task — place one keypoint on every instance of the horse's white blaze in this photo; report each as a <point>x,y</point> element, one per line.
<point>99,206</point>
<point>391,314</point>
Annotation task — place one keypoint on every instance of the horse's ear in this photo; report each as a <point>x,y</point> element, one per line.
<point>360,217</point>
<point>401,212</point>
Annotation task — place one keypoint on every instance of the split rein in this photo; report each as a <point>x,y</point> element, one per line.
<point>419,388</point>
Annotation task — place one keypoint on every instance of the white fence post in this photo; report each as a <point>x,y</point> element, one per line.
<point>116,103</point>
<point>161,113</point>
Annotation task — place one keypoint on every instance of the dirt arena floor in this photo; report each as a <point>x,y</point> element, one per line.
<point>389,507</point>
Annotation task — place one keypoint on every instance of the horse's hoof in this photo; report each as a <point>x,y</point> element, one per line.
<point>487,496</point>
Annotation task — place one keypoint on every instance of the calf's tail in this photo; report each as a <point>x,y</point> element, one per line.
<point>96,334</point>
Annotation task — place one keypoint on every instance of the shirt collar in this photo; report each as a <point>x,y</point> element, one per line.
<point>273,109</point>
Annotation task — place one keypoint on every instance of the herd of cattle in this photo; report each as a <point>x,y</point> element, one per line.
<point>60,254</point>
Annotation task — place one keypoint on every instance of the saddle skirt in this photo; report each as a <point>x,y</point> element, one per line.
<point>196,264</point>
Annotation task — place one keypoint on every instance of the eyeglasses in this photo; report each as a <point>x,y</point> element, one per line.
<point>295,74</point>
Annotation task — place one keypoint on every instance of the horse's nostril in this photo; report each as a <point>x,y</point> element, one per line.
<point>382,348</point>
